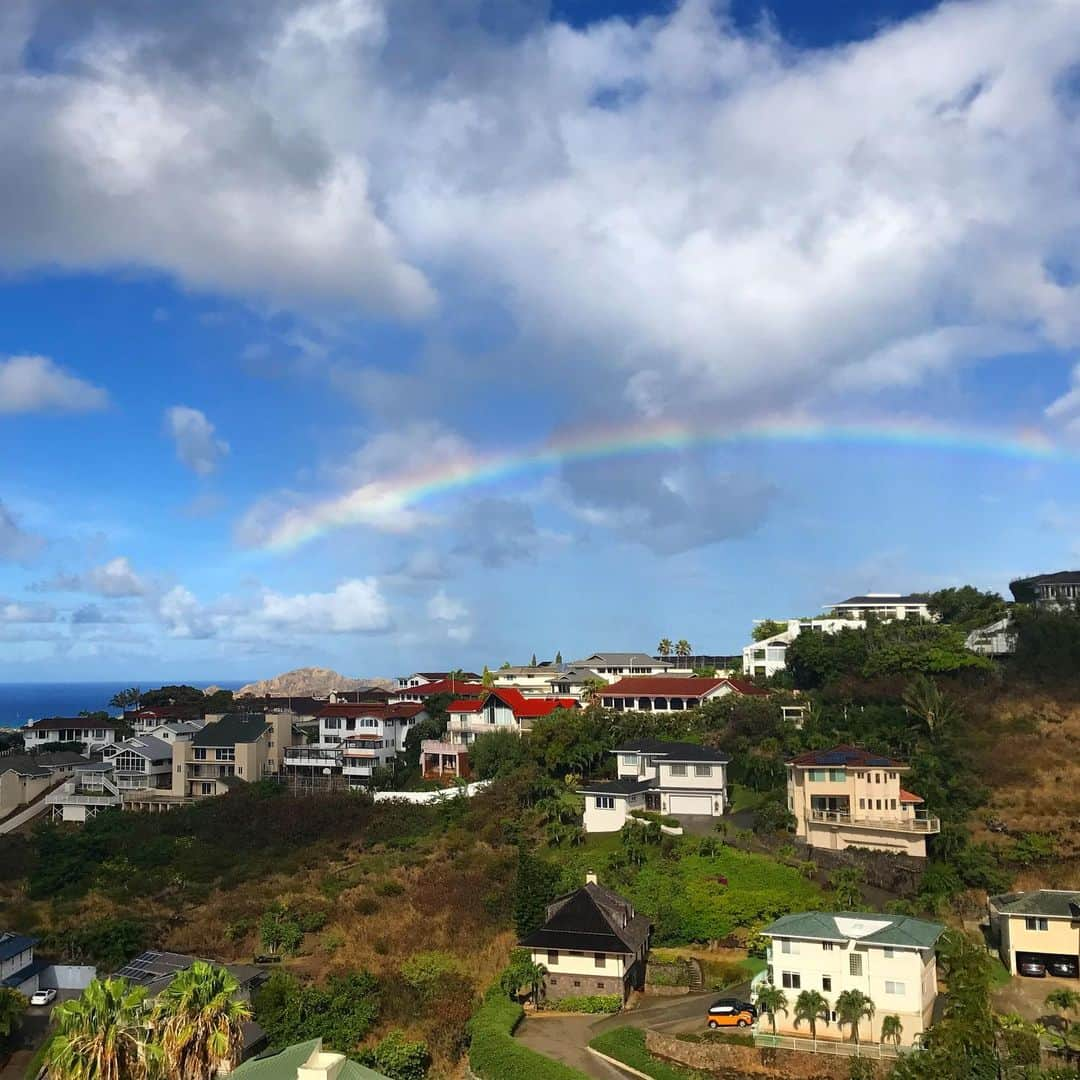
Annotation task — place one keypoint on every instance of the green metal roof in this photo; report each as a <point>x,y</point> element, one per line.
<point>283,1064</point>
<point>231,729</point>
<point>893,930</point>
<point>1051,902</point>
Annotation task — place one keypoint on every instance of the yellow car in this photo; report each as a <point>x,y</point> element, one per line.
<point>730,1012</point>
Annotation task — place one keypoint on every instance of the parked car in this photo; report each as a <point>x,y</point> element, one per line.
<point>730,1012</point>
<point>1064,967</point>
<point>42,997</point>
<point>1034,969</point>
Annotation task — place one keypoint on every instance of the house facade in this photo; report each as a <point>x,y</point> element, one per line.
<point>141,763</point>
<point>848,797</point>
<point>671,693</point>
<point>426,678</point>
<point>17,968</point>
<point>883,606</point>
<point>1041,925</point>
<point>769,656</point>
<point>1057,590</point>
<point>672,778</point>
<point>93,734</point>
<point>23,777</point>
<point>613,666</point>
<point>457,688</point>
<point>889,958</point>
<point>238,748</point>
<point>592,942</point>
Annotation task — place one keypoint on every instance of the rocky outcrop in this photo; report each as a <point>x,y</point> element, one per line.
<point>310,682</point>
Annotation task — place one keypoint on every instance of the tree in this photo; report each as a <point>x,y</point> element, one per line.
<point>534,889</point>
<point>771,999</point>
<point>12,1009</point>
<point>124,699</point>
<point>558,658</point>
<point>811,1007</point>
<point>591,691</point>
<point>682,648</point>
<point>846,885</point>
<point>767,628</point>
<point>851,1007</point>
<point>664,646</point>
<point>496,753</point>
<point>487,678</point>
<point>532,661</point>
<point>398,1058</point>
<point>966,606</point>
<point>891,1029</point>
<point>1063,1001</point>
<point>103,1035</point>
<point>924,700</point>
<point>199,1020</point>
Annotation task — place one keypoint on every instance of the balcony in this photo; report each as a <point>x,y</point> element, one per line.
<point>861,821</point>
<point>313,756</point>
<point>478,727</point>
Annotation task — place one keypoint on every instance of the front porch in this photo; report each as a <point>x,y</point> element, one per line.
<point>444,761</point>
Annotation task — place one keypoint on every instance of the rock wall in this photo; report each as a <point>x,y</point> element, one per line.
<point>899,874</point>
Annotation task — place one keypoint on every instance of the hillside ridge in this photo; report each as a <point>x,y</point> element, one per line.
<point>313,681</point>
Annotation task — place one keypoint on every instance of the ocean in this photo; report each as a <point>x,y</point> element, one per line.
<point>20,702</point>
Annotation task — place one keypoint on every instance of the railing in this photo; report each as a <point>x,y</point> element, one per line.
<point>916,824</point>
<point>835,1047</point>
<point>314,756</point>
<point>64,798</point>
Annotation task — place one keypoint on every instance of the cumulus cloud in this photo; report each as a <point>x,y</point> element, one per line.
<point>445,609</point>
<point>355,606</point>
<point>497,531</point>
<point>116,578</point>
<point>184,617</point>
<point>16,544</point>
<point>31,384</point>
<point>1065,410</point>
<point>197,444</point>
<point>11,611</point>
<point>93,615</point>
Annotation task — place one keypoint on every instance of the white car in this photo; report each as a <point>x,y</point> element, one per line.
<point>42,997</point>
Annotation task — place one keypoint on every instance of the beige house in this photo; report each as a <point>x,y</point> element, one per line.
<point>1043,925</point>
<point>848,797</point>
<point>240,747</point>
<point>889,958</point>
<point>23,777</point>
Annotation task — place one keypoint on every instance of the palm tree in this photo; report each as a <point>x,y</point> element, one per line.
<point>851,1007</point>
<point>891,1029</point>
<point>199,1021</point>
<point>664,648</point>
<point>487,678</point>
<point>811,1007</point>
<point>591,691</point>
<point>924,700</point>
<point>103,1035</point>
<point>771,999</point>
<point>682,648</point>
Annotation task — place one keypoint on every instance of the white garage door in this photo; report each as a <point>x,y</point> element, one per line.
<point>690,804</point>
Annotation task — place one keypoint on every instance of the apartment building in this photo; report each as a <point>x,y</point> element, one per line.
<point>592,942</point>
<point>883,606</point>
<point>675,778</point>
<point>889,958</point>
<point>1041,926</point>
<point>93,734</point>
<point>240,747</point>
<point>769,656</point>
<point>848,797</point>
<point>671,693</point>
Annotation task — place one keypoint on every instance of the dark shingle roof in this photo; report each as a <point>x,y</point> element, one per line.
<point>883,600</point>
<point>1057,903</point>
<point>846,755</point>
<point>232,728</point>
<point>591,919</point>
<point>673,751</point>
<point>71,723</point>
<point>40,764</point>
<point>13,944</point>
<point>615,787</point>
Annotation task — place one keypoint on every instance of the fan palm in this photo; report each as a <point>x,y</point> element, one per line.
<point>682,647</point>
<point>851,1007</point>
<point>811,1007</point>
<point>891,1029</point>
<point>664,648</point>
<point>199,1020</point>
<point>771,999</point>
<point>103,1035</point>
<point>924,700</point>
<point>591,691</point>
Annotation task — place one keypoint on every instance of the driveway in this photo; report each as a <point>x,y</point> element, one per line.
<point>1028,996</point>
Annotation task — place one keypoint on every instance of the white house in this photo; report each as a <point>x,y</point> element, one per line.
<point>592,942</point>
<point>883,606</point>
<point>889,958</point>
<point>172,730</point>
<point>530,680</point>
<point>1058,590</point>
<point>93,734</point>
<point>424,678</point>
<point>768,656</point>
<point>674,778</point>
<point>612,666</point>
<point>141,763</point>
<point>671,693</point>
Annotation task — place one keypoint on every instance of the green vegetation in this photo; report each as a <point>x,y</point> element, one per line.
<point>12,1008</point>
<point>398,1058</point>
<point>587,1003</point>
<point>627,1044</point>
<point>768,628</point>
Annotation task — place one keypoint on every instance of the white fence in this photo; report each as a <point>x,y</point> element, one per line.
<point>826,1046</point>
<point>465,791</point>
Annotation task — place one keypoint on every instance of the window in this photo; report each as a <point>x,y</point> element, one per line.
<point>826,946</point>
<point>553,956</point>
<point>889,953</point>
<point>577,982</point>
<point>877,778</point>
<point>862,804</point>
<point>678,770</point>
<point>826,983</point>
<point>552,980</point>
<point>879,804</point>
<point>332,723</point>
<point>600,960</point>
<point>599,986</point>
<point>605,802</point>
<point>892,804</point>
<point>628,761</point>
<point>855,964</point>
<point>894,987</point>
<point>228,754</point>
<point>703,770</point>
<point>818,775</point>
<point>791,980</point>
<point>790,947</point>
<point>199,753</point>
<point>207,789</point>
<point>1031,923</point>
<point>837,776</point>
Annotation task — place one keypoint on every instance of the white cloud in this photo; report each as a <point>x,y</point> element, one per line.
<point>446,609</point>
<point>355,606</point>
<point>116,578</point>
<point>183,616</point>
<point>1065,410</point>
<point>16,544</point>
<point>197,444</point>
<point>37,384</point>
<point>11,611</point>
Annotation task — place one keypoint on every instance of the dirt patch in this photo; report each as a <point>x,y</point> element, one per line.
<point>1028,996</point>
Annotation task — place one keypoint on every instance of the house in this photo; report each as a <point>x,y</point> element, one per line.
<point>240,747</point>
<point>426,678</point>
<point>1041,925</point>
<point>303,1061</point>
<point>141,763</point>
<point>171,730</point>
<point>768,656</point>
<point>354,740</point>
<point>675,778</point>
<point>92,734</point>
<point>1057,590</point>
<point>883,606</point>
<point>422,691</point>
<point>302,707</point>
<point>574,682</point>
<point>612,666</point>
<point>592,942</point>
<point>367,695</point>
<point>18,969</point>
<point>849,797</point>
<point>995,639</point>
<point>889,958</point>
<point>528,679</point>
<point>149,718</point>
<point>24,777</point>
<point>671,693</point>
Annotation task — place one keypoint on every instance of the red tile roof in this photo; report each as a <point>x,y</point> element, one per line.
<point>444,686</point>
<point>842,755</point>
<point>404,709</point>
<point>908,797</point>
<point>676,686</point>
<point>524,708</point>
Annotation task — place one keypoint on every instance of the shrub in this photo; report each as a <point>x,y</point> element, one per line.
<point>390,888</point>
<point>311,921</point>
<point>587,1003</point>
<point>427,972</point>
<point>495,1055</point>
<point>399,1058</point>
<point>366,905</point>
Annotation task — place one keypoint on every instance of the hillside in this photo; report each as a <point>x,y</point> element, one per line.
<point>313,681</point>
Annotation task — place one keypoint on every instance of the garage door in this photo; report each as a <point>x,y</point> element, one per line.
<point>690,804</point>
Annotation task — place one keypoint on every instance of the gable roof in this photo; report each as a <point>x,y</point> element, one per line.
<point>443,686</point>
<point>621,659</point>
<point>672,751</point>
<point>149,746</point>
<point>591,919</point>
<point>40,764</point>
<point>616,787</point>
<point>231,729</point>
<point>523,708</point>
<point>882,600</point>
<point>677,686</point>
<point>1059,577</point>
<point>846,755</point>
<point>889,930</point>
<point>73,723</point>
<point>13,944</point>
<point>1056,903</point>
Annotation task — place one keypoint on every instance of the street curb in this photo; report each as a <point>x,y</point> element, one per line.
<point>618,1064</point>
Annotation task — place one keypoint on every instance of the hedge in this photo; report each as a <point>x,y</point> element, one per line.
<point>495,1055</point>
<point>660,819</point>
<point>587,1003</point>
<point>627,1044</point>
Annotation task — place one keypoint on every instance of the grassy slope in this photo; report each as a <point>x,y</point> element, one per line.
<point>627,1044</point>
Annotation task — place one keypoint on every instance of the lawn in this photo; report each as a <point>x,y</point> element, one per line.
<point>627,1044</point>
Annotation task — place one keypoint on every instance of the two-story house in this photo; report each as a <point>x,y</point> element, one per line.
<point>238,748</point>
<point>675,778</point>
<point>592,942</point>
<point>17,968</point>
<point>93,734</point>
<point>769,656</point>
<point>455,687</point>
<point>141,763</point>
<point>1057,590</point>
<point>849,797</point>
<point>883,606</point>
<point>671,693</point>
<point>889,958</point>
<point>426,678</point>
<point>613,666</point>
<point>1043,926</point>
<point>24,777</point>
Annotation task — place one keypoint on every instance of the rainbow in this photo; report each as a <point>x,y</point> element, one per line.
<point>395,502</point>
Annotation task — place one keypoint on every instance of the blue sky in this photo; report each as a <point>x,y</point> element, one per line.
<point>269,263</point>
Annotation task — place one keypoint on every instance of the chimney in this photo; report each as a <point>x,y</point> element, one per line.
<point>590,877</point>
<point>321,1065</point>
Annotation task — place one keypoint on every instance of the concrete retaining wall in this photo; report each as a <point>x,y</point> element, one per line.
<point>67,977</point>
<point>430,796</point>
